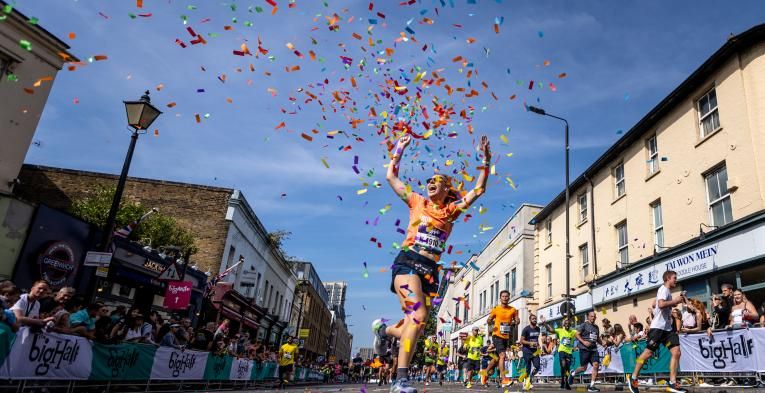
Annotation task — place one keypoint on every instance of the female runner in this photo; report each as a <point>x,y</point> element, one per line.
<point>415,270</point>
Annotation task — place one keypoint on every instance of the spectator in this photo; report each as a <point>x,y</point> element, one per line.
<point>203,338</point>
<point>640,333</point>
<point>103,331</point>
<point>117,314</point>
<point>222,329</point>
<point>47,303</point>
<point>83,322</point>
<point>169,339</point>
<point>762,314</point>
<point>618,336</point>
<point>136,332</point>
<point>742,312</point>
<point>9,295</point>
<point>694,317</point>
<point>607,328</point>
<point>721,306</point>
<point>27,308</point>
<point>677,320</point>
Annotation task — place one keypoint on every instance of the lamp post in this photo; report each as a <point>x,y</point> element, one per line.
<point>542,112</point>
<point>140,115</point>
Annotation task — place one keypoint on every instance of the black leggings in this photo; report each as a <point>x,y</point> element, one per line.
<point>530,360</point>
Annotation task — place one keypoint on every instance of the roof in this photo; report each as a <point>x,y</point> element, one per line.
<point>734,44</point>
<point>63,46</point>
<point>130,178</point>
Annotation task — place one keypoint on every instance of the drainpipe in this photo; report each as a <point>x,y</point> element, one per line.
<point>592,227</point>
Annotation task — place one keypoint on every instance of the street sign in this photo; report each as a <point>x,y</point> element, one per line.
<point>102,271</point>
<point>177,295</point>
<point>304,333</point>
<point>170,273</point>
<point>95,258</point>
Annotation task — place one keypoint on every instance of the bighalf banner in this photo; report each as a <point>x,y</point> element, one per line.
<point>171,363</point>
<point>734,350</point>
<point>48,356</point>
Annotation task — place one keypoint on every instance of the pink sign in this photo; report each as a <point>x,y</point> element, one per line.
<point>177,295</point>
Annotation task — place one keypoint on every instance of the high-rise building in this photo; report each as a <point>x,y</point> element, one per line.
<point>366,353</point>
<point>336,291</point>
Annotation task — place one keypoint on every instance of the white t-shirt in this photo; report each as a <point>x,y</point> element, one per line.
<point>133,334</point>
<point>689,320</point>
<point>662,317</point>
<point>27,309</point>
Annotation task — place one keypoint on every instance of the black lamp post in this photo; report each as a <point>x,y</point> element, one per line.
<point>140,115</point>
<point>542,112</point>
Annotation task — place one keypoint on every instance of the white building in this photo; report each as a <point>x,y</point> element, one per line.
<point>505,263</point>
<point>26,77</point>
<point>265,276</point>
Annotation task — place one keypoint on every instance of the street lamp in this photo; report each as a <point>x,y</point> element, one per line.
<point>542,112</point>
<point>140,115</point>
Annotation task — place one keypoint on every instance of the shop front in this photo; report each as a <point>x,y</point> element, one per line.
<point>734,254</point>
<point>229,304</point>
<point>555,312</point>
<point>142,279</point>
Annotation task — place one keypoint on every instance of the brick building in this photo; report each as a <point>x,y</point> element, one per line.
<point>201,209</point>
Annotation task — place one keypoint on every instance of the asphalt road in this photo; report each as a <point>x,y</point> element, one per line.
<point>449,387</point>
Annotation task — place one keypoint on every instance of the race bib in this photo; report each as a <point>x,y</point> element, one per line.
<point>566,341</point>
<point>433,239</point>
<point>474,351</point>
<point>593,336</point>
<point>287,356</point>
<point>504,328</point>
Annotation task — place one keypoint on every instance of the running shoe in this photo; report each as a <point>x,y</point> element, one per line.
<point>570,380</point>
<point>402,386</point>
<point>469,385</point>
<point>427,383</point>
<point>381,339</point>
<point>676,388</point>
<point>592,388</point>
<point>527,384</point>
<point>633,384</point>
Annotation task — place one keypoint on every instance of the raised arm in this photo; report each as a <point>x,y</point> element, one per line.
<point>483,177</point>
<point>392,175</point>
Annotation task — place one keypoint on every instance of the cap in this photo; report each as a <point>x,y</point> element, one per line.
<point>175,325</point>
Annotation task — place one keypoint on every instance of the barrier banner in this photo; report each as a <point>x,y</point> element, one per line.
<point>758,335</point>
<point>127,361</point>
<point>658,363</point>
<point>218,368</point>
<point>547,366</point>
<point>732,350</point>
<point>7,336</point>
<point>241,369</point>
<point>172,363</point>
<point>263,371</point>
<point>48,356</point>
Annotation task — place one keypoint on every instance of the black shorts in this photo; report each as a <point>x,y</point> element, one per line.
<point>285,369</point>
<point>587,356</point>
<point>657,337</point>
<point>441,368</point>
<point>473,364</point>
<point>410,262</point>
<point>501,344</point>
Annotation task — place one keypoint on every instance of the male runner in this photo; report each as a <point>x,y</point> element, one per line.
<point>287,355</point>
<point>588,336</point>
<point>530,349</point>
<point>474,344</point>
<point>566,336</point>
<point>443,359</point>
<point>661,333</point>
<point>431,354</point>
<point>503,319</point>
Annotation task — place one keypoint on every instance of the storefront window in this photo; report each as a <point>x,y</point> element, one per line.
<point>753,276</point>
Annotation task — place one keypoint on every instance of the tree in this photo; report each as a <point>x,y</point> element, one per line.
<point>158,230</point>
<point>277,239</point>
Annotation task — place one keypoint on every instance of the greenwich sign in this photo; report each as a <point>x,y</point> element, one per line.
<point>741,247</point>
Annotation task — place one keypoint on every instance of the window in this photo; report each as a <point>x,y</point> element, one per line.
<point>619,180</point>
<point>622,242</point>
<point>496,292</point>
<point>491,293</point>
<point>720,210</point>
<point>582,207</point>
<point>480,302</point>
<point>6,64</point>
<point>584,260</point>
<point>465,309</point>
<point>512,282</point>
<point>658,227</point>
<point>653,155</point>
<point>548,231</point>
<point>709,118</point>
<point>484,301</point>
<point>507,281</point>
<point>548,274</point>
<point>231,253</point>
<point>457,310</point>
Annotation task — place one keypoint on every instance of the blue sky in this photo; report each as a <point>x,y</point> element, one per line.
<point>619,59</point>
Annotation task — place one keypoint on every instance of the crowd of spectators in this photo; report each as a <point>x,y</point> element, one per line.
<point>64,312</point>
